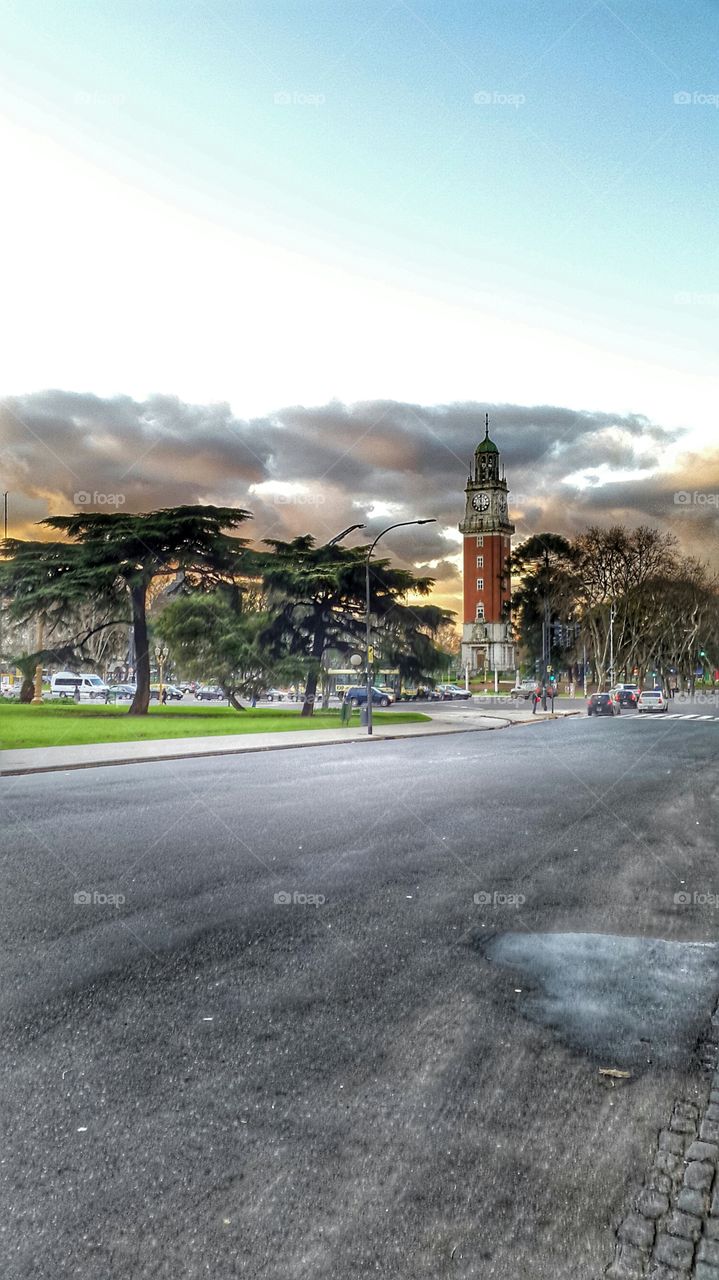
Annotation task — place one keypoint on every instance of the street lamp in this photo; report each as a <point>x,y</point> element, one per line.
<point>370,657</point>
<point>161,653</point>
<point>339,536</point>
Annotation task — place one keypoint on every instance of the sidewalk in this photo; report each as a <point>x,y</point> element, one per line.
<point>90,755</point>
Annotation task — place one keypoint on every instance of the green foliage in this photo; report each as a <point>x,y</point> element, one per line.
<point>113,558</point>
<point>211,637</point>
<point>316,597</point>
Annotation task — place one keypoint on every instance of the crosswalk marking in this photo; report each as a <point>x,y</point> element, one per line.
<point>678,715</point>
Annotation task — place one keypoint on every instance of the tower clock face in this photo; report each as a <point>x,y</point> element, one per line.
<point>480,501</point>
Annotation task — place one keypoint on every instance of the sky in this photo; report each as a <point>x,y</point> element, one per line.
<point>245,242</point>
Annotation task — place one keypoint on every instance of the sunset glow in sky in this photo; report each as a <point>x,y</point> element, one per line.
<point>262,204</point>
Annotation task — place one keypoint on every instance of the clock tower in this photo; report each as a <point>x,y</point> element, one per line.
<point>486,633</point>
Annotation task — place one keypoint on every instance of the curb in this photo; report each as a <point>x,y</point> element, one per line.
<point>241,750</point>
<point>501,723</point>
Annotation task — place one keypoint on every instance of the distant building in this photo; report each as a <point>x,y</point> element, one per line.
<point>486,631</point>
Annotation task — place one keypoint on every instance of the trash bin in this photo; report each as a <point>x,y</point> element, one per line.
<point>363,716</point>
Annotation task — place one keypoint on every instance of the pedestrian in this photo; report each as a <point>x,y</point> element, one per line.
<point>571,688</point>
<point>164,697</point>
<point>535,699</point>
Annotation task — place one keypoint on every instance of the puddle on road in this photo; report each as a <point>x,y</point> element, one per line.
<point>620,999</point>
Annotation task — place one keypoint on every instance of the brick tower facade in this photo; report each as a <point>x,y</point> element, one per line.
<point>486,633</point>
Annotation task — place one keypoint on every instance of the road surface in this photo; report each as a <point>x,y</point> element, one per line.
<point>341,1013</point>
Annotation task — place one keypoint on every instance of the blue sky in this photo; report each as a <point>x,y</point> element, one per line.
<point>574,206</point>
<point>286,254</point>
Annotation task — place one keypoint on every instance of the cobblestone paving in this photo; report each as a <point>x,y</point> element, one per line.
<point>672,1231</point>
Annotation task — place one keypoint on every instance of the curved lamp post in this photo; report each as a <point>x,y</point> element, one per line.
<point>370,657</point>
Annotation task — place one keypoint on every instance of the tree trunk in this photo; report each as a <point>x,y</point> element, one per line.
<point>141,700</point>
<point>308,705</point>
<point>232,699</point>
<point>318,644</point>
<point>27,689</point>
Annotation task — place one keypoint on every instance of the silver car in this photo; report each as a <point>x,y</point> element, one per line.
<point>652,700</point>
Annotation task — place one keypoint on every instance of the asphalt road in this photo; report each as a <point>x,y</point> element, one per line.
<point>392,1068</point>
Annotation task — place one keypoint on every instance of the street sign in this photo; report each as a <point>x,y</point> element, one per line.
<point>370,655</point>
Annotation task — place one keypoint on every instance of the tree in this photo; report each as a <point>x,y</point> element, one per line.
<point>113,558</point>
<point>615,599</point>
<point>27,663</point>
<point>546,567</point>
<point>316,598</point>
<point>219,634</point>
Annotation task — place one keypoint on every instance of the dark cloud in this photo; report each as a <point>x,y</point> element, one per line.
<point>411,459</point>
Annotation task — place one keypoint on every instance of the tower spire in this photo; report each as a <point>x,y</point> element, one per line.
<point>486,426</point>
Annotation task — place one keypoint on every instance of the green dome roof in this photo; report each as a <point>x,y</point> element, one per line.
<point>486,445</point>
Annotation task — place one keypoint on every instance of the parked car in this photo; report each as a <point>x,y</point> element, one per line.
<point>357,694</point>
<point>121,692</point>
<point>174,693</point>
<point>275,695</point>
<point>652,700</point>
<point>64,684</point>
<point>209,693</point>
<point>603,704</point>
<point>525,688</point>
<point>451,691</point>
<point>627,694</point>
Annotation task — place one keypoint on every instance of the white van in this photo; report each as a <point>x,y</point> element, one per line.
<point>64,684</point>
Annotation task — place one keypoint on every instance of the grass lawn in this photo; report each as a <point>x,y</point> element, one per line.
<point>65,726</point>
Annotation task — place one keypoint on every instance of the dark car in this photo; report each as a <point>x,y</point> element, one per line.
<point>122,692</point>
<point>209,693</point>
<point>603,704</point>
<point>628,696</point>
<point>357,694</point>
<point>173,691</point>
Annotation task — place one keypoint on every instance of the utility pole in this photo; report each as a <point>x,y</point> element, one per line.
<point>370,654</point>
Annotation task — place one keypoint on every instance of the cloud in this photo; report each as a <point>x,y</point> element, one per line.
<point>321,468</point>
